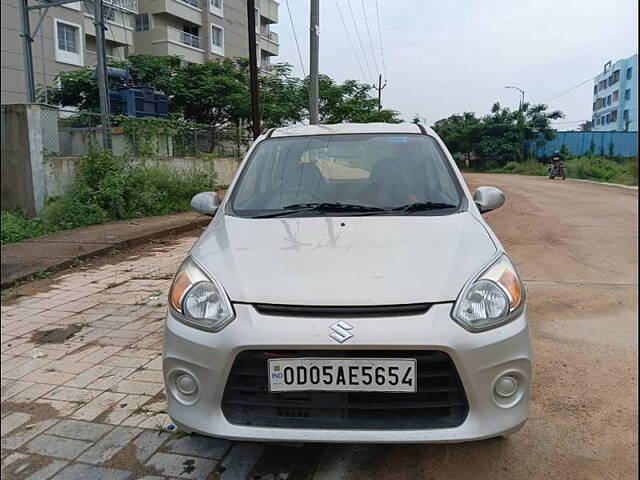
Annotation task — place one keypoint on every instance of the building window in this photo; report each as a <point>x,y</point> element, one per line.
<point>217,40</point>
<point>627,94</point>
<point>594,106</point>
<point>68,42</point>
<point>608,99</point>
<point>595,89</point>
<point>614,96</point>
<point>142,22</point>
<point>629,73</point>
<point>614,116</point>
<point>616,76</point>
<point>625,115</point>
<point>216,7</point>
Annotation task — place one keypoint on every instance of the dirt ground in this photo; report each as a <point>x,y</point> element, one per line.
<point>575,244</point>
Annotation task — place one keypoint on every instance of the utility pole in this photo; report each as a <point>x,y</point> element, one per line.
<point>379,88</point>
<point>253,69</point>
<point>314,45</point>
<point>27,54</point>
<point>101,70</point>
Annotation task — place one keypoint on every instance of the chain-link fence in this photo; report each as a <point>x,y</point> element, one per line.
<point>67,132</point>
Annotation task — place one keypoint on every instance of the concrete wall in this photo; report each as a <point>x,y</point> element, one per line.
<point>30,174</point>
<point>22,169</point>
<point>59,172</point>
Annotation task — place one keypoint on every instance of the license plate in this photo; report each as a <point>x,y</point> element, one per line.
<point>342,374</point>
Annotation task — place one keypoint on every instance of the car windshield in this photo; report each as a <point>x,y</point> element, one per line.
<point>364,174</point>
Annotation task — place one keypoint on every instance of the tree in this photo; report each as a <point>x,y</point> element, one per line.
<point>217,92</point>
<point>350,101</point>
<point>460,133</point>
<point>281,97</point>
<point>77,88</point>
<point>212,93</point>
<point>585,126</point>
<point>499,136</point>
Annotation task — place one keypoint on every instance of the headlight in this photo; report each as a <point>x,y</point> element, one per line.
<point>198,300</point>
<point>492,298</point>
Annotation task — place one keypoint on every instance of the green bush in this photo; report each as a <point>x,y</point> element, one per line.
<point>111,188</point>
<point>603,169</point>
<point>597,168</point>
<point>16,227</point>
<point>529,167</point>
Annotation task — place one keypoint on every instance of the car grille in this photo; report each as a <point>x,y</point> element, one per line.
<point>439,402</point>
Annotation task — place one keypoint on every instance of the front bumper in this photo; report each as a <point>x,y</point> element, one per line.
<point>480,359</point>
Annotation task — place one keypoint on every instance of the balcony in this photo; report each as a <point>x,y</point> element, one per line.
<point>269,42</point>
<point>188,10</point>
<point>127,5</point>
<point>116,33</point>
<point>268,10</point>
<point>171,41</point>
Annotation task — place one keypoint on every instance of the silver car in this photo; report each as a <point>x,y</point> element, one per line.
<point>348,290</point>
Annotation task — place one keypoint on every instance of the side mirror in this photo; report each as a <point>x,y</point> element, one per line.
<point>488,198</point>
<point>206,203</point>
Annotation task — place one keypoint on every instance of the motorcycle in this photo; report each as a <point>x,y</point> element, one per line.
<point>557,169</point>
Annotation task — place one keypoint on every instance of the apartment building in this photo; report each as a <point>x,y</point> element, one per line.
<point>200,30</point>
<point>65,41</point>
<point>615,97</point>
<point>195,30</point>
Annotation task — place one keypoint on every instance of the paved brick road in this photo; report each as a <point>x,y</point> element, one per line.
<point>92,405</point>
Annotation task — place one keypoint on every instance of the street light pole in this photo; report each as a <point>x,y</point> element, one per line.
<point>520,118</point>
<point>521,93</point>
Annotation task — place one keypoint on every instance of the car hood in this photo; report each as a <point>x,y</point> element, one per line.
<point>367,260</point>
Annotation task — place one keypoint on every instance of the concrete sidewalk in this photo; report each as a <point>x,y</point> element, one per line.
<point>21,260</point>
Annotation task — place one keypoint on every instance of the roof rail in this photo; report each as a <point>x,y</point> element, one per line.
<point>270,132</point>
<point>422,129</point>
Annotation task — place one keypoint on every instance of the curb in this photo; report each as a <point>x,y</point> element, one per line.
<point>128,243</point>
<point>619,185</point>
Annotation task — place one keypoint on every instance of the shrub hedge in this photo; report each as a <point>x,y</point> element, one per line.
<point>111,188</point>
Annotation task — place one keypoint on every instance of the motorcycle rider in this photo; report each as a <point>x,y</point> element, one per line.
<point>557,166</point>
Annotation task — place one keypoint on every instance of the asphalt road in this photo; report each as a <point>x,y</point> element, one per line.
<point>575,244</point>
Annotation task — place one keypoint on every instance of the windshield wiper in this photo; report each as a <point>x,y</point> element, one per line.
<point>422,207</point>
<point>322,207</point>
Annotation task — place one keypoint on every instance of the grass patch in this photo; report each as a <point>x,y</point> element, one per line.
<point>111,188</point>
<point>16,227</point>
<point>597,168</point>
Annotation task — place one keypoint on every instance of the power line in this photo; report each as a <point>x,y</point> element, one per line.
<point>364,55</point>
<point>366,22</point>
<point>296,38</point>
<point>353,48</point>
<point>384,65</point>
<point>569,89</point>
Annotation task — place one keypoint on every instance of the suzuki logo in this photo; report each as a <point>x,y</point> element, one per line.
<point>341,331</point>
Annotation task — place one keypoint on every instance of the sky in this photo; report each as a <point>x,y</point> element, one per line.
<point>446,57</point>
